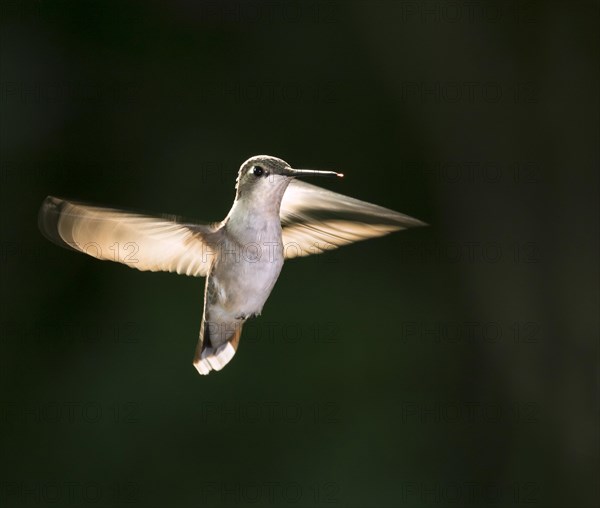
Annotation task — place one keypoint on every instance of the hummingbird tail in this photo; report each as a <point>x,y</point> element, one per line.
<point>209,357</point>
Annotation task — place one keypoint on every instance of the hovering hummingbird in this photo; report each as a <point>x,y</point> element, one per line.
<point>274,217</point>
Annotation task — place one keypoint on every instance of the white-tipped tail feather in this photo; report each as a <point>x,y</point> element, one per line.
<point>214,359</point>
<point>215,350</point>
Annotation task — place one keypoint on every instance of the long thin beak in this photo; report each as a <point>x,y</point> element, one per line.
<point>313,172</point>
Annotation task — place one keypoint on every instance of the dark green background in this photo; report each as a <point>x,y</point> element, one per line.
<point>455,365</point>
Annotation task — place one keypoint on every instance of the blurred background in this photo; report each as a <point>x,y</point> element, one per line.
<point>454,365</point>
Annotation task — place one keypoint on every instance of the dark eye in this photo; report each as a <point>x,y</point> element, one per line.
<point>258,171</point>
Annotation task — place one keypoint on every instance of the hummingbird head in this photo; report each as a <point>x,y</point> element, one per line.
<point>264,178</point>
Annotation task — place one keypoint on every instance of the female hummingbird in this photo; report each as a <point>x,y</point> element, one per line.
<point>274,217</point>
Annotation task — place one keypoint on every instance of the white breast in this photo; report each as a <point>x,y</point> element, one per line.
<point>248,264</point>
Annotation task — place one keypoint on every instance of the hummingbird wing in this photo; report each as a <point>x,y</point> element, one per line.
<point>314,220</point>
<point>136,240</point>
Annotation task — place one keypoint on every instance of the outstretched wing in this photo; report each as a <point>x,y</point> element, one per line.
<point>314,220</point>
<point>134,239</point>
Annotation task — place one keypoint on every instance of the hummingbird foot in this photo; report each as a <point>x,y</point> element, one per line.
<point>244,317</point>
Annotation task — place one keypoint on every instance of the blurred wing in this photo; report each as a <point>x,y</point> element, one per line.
<point>136,240</point>
<point>315,220</point>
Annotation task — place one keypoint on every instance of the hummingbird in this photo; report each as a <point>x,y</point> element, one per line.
<point>274,217</point>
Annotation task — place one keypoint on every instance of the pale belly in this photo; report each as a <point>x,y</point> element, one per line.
<point>242,281</point>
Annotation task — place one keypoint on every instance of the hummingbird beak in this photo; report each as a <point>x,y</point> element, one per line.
<point>312,172</point>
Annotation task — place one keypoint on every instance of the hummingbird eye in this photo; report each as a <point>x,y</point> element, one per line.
<point>258,171</point>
